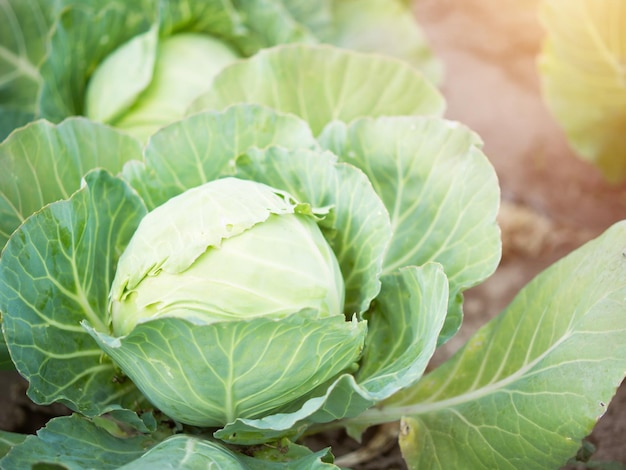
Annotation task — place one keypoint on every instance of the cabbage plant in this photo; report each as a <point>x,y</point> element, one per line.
<point>582,73</point>
<point>248,270</point>
<point>282,261</point>
<point>137,64</point>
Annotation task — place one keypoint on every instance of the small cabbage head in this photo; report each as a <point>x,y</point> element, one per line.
<point>207,256</point>
<point>228,303</point>
<point>150,82</point>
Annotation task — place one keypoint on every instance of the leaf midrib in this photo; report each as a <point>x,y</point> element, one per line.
<point>493,387</point>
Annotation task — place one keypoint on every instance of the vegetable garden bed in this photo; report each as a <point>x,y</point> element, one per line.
<point>391,201</point>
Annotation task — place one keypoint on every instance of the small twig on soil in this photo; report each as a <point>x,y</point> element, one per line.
<point>385,438</point>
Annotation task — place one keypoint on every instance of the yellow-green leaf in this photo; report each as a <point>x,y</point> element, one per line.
<point>583,72</point>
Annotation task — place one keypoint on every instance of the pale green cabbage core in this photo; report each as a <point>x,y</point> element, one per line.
<point>267,261</point>
<point>175,71</point>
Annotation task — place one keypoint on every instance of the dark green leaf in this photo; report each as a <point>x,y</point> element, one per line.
<point>23,36</point>
<point>5,358</point>
<point>8,440</point>
<point>56,271</point>
<point>43,163</point>
<point>189,452</point>
<point>75,443</point>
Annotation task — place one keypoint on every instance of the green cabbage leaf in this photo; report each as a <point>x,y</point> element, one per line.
<point>530,384</point>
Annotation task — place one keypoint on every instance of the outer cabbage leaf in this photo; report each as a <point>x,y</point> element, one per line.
<point>322,84</point>
<point>208,375</point>
<point>404,324</point>
<point>529,385</point>
<point>440,190</point>
<point>23,35</point>
<point>403,329</point>
<point>43,163</point>
<point>8,440</point>
<point>206,146</point>
<point>184,451</point>
<point>56,271</point>
<point>76,443</point>
<point>582,71</point>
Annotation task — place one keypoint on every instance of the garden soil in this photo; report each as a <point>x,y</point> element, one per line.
<point>552,201</point>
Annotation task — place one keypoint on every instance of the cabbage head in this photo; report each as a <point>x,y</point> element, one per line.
<point>148,83</point>
<point>254,299</point>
